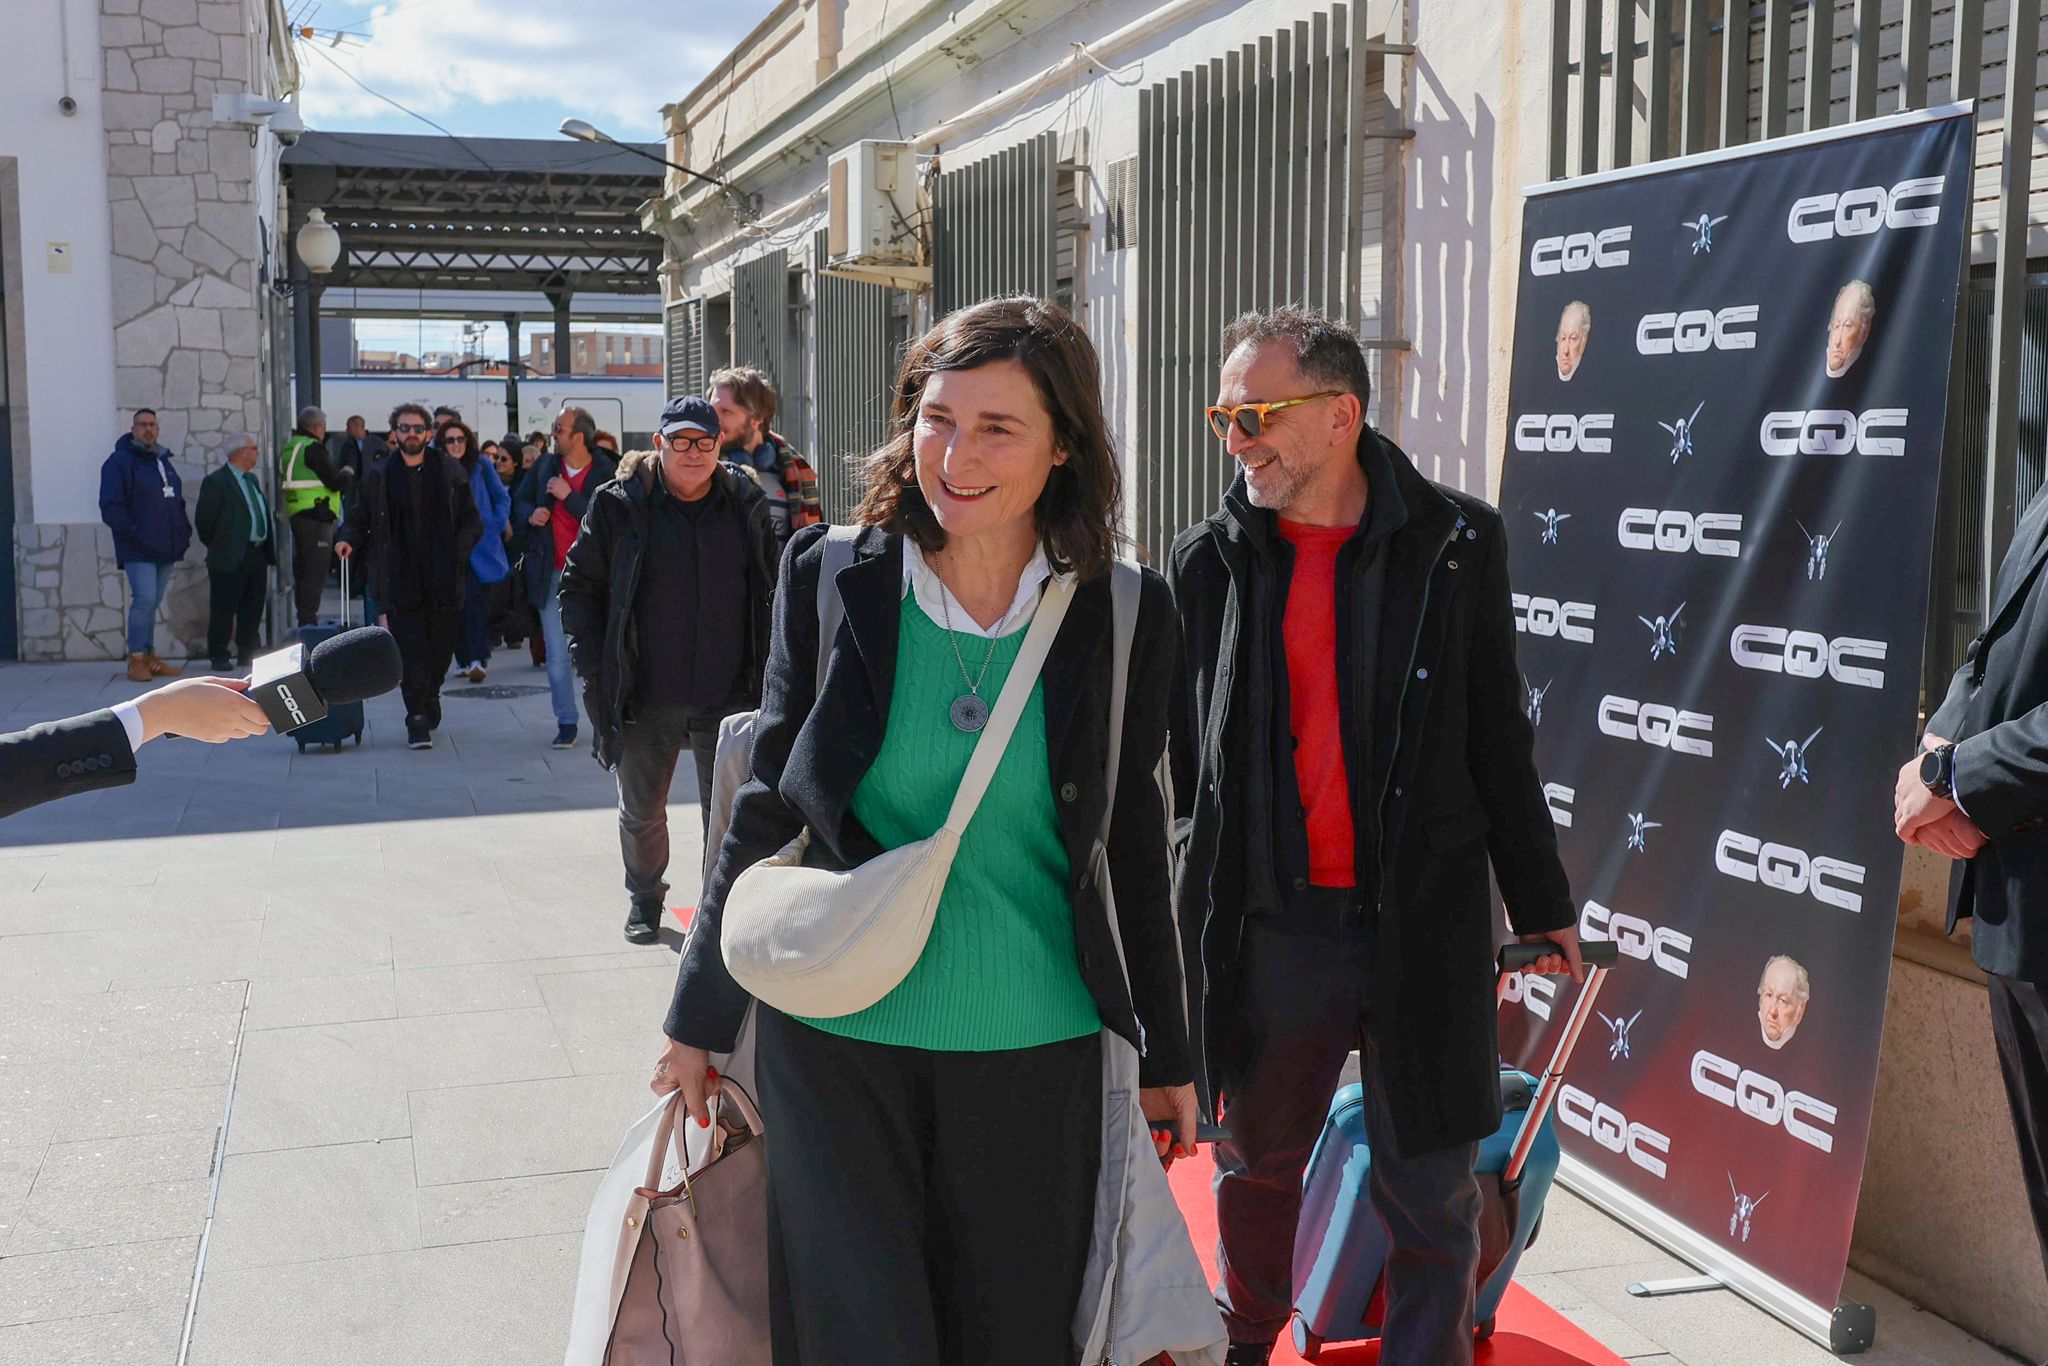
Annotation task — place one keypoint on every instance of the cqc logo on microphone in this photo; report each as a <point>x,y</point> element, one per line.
<point>1638,939</point>
<point>1582,1113</point>
<point>1833,431</point>
<point>1830,881</point>
<point>1571,621</point>
<point>1563,433</point>
<point>1652,723</point>
<point>1573,252</point>
<point>1677,532</point>
<point>1698,329</point>
<point>291,704</point>
<point>1859,213</point>
<point>1809,654</point>
<point>1764,1100</point>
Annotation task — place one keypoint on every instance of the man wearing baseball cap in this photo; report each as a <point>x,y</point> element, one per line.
<point>665,601</point>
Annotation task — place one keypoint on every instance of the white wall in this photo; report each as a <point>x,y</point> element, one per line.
<point>66,320</point>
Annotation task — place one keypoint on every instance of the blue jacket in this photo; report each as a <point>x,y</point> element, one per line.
<point>494,505</point>
<point>143,500</point>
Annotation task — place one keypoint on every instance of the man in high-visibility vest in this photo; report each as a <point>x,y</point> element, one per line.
<point>311,485</point>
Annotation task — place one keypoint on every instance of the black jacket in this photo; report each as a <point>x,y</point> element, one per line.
<point>367,531</point>
<point>601,581</point>
<point>1997,713</point>
<point>224,524</point>
<point>534,546</point>
<point>63,758</point>
<point>812,749</point>
<point>1451,778</point>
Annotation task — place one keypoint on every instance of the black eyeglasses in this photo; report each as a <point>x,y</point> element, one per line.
<point>702,445</point>
<point>410,427</point>
<point>454,439</point>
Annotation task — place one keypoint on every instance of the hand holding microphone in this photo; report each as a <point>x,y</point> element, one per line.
<point>295,687</point>
<point>214,710</point>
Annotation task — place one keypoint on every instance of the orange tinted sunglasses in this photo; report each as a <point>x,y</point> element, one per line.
<point>1250,418</point>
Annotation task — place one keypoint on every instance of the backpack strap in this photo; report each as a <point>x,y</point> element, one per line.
<point>838,555</point>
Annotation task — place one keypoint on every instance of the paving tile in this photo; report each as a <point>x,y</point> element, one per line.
<point>478,1133</point>
<point>500,985</point>
<point>312,1204</point>
<point>300,943</point>
<point>330,998</point>
<point>54,1218</point>
<point>82,1282</point>
<point>611,1021</point>
<point>480,1304</point>
<point>139,1109</point>
<point>506,933</point>
<point>143,1336</point>
<point>102,1163</point>
<point>511,1207</point>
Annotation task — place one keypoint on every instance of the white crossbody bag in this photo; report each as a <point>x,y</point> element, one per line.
<point>812,941</point>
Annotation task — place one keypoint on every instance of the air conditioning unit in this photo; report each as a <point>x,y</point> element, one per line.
<point>876,212</point>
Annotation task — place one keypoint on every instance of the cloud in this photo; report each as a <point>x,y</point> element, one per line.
<point>512,68</point>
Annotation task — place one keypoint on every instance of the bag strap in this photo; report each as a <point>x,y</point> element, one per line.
<point>838,554</point>
<point>1023,677</point>
<point>1125,581</point>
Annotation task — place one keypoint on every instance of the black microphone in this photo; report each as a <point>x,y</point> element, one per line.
<point>295,687</point>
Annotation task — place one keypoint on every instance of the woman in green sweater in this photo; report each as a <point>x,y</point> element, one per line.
<point>933,1159</point>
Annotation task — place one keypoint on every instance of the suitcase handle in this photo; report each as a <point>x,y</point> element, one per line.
<point>1516,957</point>
<point>1553,1072</point>
<point>345,604</point>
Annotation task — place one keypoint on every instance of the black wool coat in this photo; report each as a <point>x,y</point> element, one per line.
<point>368,533</point>
<point>1996,712</point>
<point>812,748</point>
<point>1449,785</point>
<point>224,525</point>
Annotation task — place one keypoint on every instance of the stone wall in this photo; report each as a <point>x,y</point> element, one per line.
<point>184,194</point>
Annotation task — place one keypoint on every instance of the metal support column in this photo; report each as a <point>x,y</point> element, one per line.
<point>305,338</point>
<point>559,296</point>
<point>512,423</point>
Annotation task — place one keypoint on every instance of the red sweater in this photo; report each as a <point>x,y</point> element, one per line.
<point>1310,631</point>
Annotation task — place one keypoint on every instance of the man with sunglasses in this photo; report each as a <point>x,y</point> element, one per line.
<point>665,601</point>
<point>1350,748</point>
<point>414,527</point>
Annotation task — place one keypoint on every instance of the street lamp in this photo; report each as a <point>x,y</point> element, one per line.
<point>319,245</point>
<point>584,132</point>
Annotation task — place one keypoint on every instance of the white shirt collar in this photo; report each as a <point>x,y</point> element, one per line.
<point>935,599</point>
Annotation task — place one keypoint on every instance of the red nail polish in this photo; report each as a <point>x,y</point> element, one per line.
<point>704,1122</point>
<point>711,1072</point>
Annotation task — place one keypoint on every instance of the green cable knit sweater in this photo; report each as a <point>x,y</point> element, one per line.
<point>999,970</point>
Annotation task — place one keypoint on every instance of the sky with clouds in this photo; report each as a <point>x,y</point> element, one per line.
<point>511,68</point>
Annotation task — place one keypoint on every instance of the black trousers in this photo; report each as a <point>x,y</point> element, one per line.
<point>474,647</point>
<point>926,1209</point>
<point>235,607</point>
<point>426,645</point>
<point>2019,1022</point>
<point>649,746</point>
<point>1303,1007</point>
<point>312,552</point>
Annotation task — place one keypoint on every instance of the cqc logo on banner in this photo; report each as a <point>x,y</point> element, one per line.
<point>1739,364</point>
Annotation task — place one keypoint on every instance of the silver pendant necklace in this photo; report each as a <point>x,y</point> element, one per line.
<point>968,712</point>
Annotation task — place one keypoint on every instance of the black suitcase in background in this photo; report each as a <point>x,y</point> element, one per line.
<point>343,720</point>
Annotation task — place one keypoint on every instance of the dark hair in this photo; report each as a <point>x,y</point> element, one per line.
<point>140,413</point>
<point>1325,351</point>
<point>1080,513</point>
<point>455,413</point>
<point>414,408</point>
<point>469,446</point>
<point>750,387</point>
<point>602,437</point>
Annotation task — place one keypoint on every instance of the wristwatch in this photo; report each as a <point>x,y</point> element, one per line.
<point>1938,771</point>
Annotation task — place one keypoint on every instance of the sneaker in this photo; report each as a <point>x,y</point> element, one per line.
<point>643,924</point>
<point>221,666</point>
<point>416,734</point>
<point>565,738</point>
<point>476,672</point>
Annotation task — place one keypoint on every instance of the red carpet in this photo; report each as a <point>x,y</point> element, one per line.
<point>1528,1332</point>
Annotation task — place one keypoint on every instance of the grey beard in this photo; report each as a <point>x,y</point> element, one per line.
<point>1278,499</point>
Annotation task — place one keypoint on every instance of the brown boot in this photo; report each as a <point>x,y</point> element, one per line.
<point>159,669</point>
<point>138,669</point>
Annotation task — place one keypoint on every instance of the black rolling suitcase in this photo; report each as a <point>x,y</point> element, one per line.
<point>344,719</point>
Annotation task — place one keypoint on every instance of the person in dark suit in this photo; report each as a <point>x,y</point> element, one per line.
<point>86,753</point>
<point>1350,746</point>
<point>1978,793</point>
<point>235,526</point>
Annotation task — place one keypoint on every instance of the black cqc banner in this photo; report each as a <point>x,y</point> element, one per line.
<point>1724,444</point>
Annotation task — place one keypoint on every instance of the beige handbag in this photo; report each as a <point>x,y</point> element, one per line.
<point>696,1291</point>
<point>812,941</point>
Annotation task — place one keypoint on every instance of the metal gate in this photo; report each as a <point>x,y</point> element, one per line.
<point>762,335</point>
<point>856,367</point>
<point>684,357</point>
<point>1259,183</point>
<point>995,227</point>
<point>1786,66</point>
